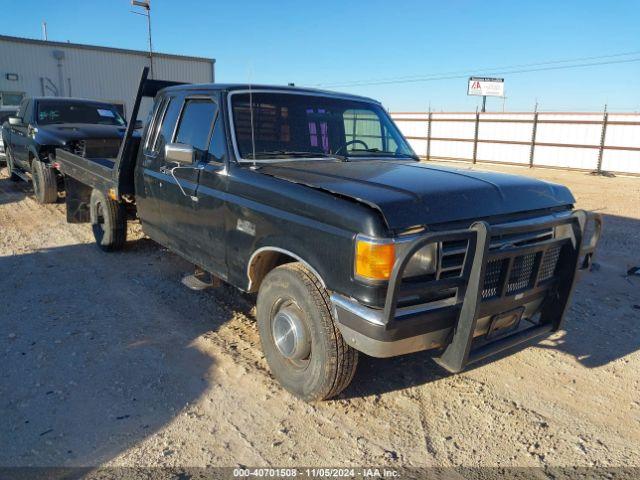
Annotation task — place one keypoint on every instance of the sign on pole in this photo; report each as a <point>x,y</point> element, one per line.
<point>486,87</point>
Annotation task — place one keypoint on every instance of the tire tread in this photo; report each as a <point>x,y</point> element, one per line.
<point>344,357</point>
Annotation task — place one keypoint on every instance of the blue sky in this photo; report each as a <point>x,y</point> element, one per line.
<point>331,42</point>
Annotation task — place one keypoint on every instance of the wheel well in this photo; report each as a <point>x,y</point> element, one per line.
<point>262,263</point>
<point>266,259</point>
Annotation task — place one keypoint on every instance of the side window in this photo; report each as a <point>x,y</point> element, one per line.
<point>23,108</point>
<point>152,124</point>
<point>217,146</point>
<point>364,128</point>
<point>167,126</point>
<point>195,124</point>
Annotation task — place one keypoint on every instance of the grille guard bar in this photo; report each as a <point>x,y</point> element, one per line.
<point>469,283</point>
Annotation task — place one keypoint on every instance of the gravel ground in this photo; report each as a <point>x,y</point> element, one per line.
<point>108,360</point>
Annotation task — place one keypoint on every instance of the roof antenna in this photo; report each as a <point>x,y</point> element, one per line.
<point>253,135</point>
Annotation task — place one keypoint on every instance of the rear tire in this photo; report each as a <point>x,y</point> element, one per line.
<point>108,222</point>
<point>45,183</point>
<point>300,339</point>
<point>11,165</point>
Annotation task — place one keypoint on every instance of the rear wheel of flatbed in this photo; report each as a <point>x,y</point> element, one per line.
<point>300,339</point>
<point>45,183</point>
<point>108,221</point>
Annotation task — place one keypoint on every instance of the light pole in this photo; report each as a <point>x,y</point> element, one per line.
<point>146,4</point>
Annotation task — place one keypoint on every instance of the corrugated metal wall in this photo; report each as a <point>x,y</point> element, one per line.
<point>586,141</point>
<point>96,73</point>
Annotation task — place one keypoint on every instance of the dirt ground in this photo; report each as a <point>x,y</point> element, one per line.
<point>106,359</point>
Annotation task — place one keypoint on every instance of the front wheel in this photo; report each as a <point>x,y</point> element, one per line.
<point>300,339</point>
<point>108,221</point>
<point>11,169</point>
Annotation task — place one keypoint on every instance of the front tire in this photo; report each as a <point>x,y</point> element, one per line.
<point>300,339</point>
<point>11,165</point>
<point>45,183</point>
<point>108,222</point>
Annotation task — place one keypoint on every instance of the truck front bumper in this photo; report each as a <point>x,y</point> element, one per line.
<point>502,297</point>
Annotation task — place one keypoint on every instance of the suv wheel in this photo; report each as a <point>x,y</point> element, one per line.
<point>108,221</point>
<point>11,165</point>
<point>300,339</point>
<point>45,183</point>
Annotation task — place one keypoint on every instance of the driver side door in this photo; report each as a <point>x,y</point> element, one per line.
<point>176,185</point>
<point>20,136</point>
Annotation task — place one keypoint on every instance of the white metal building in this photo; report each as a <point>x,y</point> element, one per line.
<point>43,68</point>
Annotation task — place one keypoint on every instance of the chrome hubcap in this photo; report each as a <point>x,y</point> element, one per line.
<point>290,335</point>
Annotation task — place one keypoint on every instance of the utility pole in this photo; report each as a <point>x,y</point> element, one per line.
<point>146,4</point>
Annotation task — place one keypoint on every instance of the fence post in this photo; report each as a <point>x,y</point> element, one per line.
<point>603,135</point>
<point>429,136</point>
<point>534,130</point>
<point>475,137</point>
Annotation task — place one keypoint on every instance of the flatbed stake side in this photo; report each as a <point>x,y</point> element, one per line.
<point>315,201</point>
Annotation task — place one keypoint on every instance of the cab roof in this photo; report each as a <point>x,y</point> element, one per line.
<point>230,87</point>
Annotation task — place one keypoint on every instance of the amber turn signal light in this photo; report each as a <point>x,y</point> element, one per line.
<point>374,260</point>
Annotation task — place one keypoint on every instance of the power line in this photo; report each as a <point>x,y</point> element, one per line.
<point>541,66</point>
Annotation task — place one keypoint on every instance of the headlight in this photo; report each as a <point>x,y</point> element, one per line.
<point>374,258</point>
<point>423,262</point>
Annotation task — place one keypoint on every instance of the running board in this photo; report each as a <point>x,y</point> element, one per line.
<point>201,280</point>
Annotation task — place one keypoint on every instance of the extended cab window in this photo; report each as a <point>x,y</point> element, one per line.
<point>166,125</point>
<point>195,125</point>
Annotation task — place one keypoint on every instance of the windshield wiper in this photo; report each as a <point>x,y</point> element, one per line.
<point>383,152</point>
<point>291,153</point>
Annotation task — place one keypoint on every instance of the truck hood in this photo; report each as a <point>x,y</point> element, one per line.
<point>409,193</point>
<point>66,132</point>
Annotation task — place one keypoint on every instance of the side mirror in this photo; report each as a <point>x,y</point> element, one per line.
<point>179,153</point>
<point>137,125</point>
<point>15,121</point>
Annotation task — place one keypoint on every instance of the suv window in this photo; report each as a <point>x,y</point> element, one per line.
<point>23,108</point>
<point>195,125</point>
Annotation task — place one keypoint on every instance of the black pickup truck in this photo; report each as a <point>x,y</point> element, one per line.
<point>41,125</point>
<point>315,201</point>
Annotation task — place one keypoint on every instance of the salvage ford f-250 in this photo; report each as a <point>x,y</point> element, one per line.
<point>315,201</point>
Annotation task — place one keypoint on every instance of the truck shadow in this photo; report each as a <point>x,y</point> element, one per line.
<point>10,191</point>
<point>98,353</point>
<point>601,326</point>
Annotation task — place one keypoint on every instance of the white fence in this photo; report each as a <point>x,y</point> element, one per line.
<point>583,141</point>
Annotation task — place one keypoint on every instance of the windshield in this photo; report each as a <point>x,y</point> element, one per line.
<point>52,111</point>
<point>312,126</point>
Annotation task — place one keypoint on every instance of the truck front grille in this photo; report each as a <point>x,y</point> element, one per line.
<point>524,270</point>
